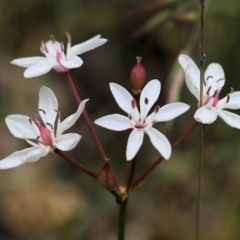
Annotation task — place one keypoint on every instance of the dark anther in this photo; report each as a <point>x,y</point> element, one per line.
<point>69,37</point>
<point>52,39</point>
<point>130,117</point>
<point>41,110</point>
<point>49,124</point>
<point>134,103</point>
<point>209,77</point>
<point>156,109</point>
<point>44,47</point>
<point>224,79</point>
<point>62,47</point>
<point>146,101</point>
<point>209,90</point>
<point>30,120</point>
<point>58,113</point>
<point>232,90</point>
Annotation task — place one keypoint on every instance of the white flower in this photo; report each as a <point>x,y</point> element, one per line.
<point>44,139</point>
<point>139,122</point>
<point>214,80</point>
<point>56,58</point>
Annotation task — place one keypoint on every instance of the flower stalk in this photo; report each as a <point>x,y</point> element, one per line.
<point>86,117</point>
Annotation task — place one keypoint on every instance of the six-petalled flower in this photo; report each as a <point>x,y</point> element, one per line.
<point>139,121</point>
<point>214,80</point>
<point>56,58</point>
<point>44,138</point>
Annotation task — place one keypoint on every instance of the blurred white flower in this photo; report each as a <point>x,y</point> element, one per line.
<point>214,80</point>
<point>56,58</point>
<point>140,122</point>
<point>43,138</point>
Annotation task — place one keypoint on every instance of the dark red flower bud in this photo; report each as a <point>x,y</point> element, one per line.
<point>138,76</point>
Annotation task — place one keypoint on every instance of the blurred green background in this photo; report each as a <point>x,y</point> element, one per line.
<point>50,199</point>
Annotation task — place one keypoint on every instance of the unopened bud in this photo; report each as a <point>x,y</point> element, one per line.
<point>138,76</point>
<point>106,178</point>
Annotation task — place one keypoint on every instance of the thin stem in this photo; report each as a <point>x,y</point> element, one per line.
<point>122,219</point>
<point>141,178</point>
<point>130,170</point>
<point>200,163</point>
<point>76,163</point>
<point>86,117</point>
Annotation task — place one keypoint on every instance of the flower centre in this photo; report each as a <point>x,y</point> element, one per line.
<point>45,134</point>
<point>139,125</point>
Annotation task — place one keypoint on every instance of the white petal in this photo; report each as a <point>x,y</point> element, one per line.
<point>28,61</point>
<point>135,141</point>
<point>192,74</point>
<point>171,111</point>
<point>69,121</point>
<point>67,141</point>
<point>114,122</point>
<point>73,62</point>
<point>37,152</point>
<point>20,126</point>
<point>205,115</point>
<point>215,72</point>
<point>122,97</point>
<point>38,69</point>
<point>18,158</point>
<point>160,142</point>
<point>86,46</point>
<point>48,105</point>
<point>231,119</point>
<point>234,101</point>
<point>149,95</point>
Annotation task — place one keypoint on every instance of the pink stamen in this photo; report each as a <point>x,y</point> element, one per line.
<point>59,55</point>
<point>140,125</point>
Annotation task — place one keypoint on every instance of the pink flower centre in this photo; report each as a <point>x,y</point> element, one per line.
<point>58,56</point>
<point>139,125</point>
<point>214,99</point>
<point>45,134</point>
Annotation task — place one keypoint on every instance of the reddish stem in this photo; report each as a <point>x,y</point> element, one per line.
<point>160,159</point>
<point>76,163</point>
<point>86,117</point>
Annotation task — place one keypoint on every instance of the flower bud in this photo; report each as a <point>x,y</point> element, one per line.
<point>138,76</point>
<point>106,178</point>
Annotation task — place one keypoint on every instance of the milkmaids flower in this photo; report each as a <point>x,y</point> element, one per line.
<point>140,122</point>
<point>56,58</point>
<point>214,80</point>
<point>44,138</point>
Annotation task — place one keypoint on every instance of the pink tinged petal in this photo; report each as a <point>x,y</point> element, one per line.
<point>234,101</point>
<point>160,142</point>
<point>205,115</point>
<point>73,62</point>
<point>231,119</point>
<point>28,62</point>
<point>48,105</point>
<point>215,72</point>
<point>192,74</point>
<point>171,111</point>
<point>149,96</point>
<point>114,122</point>
<point>134,143</point>
<point>67,141</point>
<point>20,126</point>
<point>86,46</point>
<point>122,97</point>
<point>69,121</point>
<point>38,69</point>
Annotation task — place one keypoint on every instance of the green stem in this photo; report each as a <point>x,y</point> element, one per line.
<point>122,219</point>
